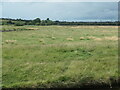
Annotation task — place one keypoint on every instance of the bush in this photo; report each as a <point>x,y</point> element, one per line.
<point>19,23</point>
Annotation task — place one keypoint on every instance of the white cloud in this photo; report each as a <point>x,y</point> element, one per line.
<point>60,0</point>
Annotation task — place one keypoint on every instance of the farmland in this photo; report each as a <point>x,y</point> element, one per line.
<point>59,56</point>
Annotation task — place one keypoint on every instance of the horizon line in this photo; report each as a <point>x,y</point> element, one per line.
<point>64,20</point>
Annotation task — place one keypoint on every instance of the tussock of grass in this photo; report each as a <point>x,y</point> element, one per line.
<point>82,38</point>
<point>53,38</point>
<point>70,39</point>
<point>41,40</point>
<point>10,41</point>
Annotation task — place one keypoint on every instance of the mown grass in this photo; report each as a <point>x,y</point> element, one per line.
<point>55,56</point>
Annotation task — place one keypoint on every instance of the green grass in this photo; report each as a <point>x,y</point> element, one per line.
<point>47,58</point>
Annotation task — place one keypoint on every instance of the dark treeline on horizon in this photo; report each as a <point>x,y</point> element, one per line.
<point>38,21</point>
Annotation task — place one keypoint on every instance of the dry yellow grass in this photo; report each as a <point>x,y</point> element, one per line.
<point>109,31</point>
<point>107,26</point>
<point>92,27</point>
<point>98,39</point>
<point>111,38</point>
<point>91,37</point>
<point>70,39</point>
<point>10,41</point>
<point>82,38</point>
<point>32,28</point>
<point>83,27</point>
<point>94,38</point>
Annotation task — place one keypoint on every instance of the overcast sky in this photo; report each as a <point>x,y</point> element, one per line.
<point>69,11</point>
<point>60,0</point>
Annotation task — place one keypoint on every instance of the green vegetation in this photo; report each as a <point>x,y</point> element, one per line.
<point>38,21</point>
<point>60,56</point>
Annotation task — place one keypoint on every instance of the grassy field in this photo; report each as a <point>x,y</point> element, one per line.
<point>60,56</point>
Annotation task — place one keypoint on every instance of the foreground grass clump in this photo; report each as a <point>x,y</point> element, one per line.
<point>60,62</point>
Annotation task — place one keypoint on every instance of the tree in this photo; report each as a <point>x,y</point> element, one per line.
<point>37,20</point>
<point>48,19</point>
<point>43,22</point>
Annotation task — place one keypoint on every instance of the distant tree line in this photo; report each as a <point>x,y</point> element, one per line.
<point>38,21</point>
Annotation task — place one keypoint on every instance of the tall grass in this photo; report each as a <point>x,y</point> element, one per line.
<point>39,60</point>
